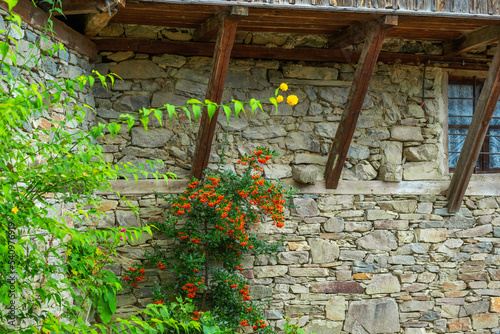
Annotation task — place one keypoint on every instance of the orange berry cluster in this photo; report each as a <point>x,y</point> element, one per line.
<point>135,276</point>
<point>191,288</point>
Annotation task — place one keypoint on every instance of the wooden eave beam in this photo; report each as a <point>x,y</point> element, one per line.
<point>94,23</point>
<point>475,135</point>
<point>207,31</point>
<point>474,40</point>
<point>263,52</point>
<point>37,18</point>
<point>220,64</point>
<point>357,33</point>
<point>371,48</point>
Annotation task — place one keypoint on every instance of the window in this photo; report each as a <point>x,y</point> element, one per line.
<point>462,98</point>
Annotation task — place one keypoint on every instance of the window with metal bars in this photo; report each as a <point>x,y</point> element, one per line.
<point>462,98</point>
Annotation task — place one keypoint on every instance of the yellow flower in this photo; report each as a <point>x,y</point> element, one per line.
<point>69,155</point>
<point>284,87</point>
<point>292,100</point>
<point>14,210</point>
<point>279,99</point>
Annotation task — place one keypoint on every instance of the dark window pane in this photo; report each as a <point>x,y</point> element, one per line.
<point>461,91</point>
<point>494,148</point>
<point>455,145</point>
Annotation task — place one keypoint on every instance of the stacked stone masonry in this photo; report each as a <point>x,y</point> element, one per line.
<point>350,263</point>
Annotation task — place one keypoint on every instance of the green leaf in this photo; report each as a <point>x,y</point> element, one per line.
<point>188,113</point>
<point>4,49</point>
<point>159,115</point>
<point>228,111</point>
<point>211,109</point>
<point>191,101</point>
<point>238,106</point>
<point>171,111</point>
<point>196,111</point>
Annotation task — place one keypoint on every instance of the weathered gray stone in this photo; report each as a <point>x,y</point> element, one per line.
<point>352,255</point>
<point>307,158</point>
<point>334,225</point>
<point>160,99</point>
<point>416,305</point>
<point>131,103</point>
<point>323,327</point>
<point>151,138</point>
<point>306,174</point>
<point>421,171</point>
<point>487,203</point>
<point>323,251</point>
<point>365,171</point>
<point>406,133</point>
<point>459,221</point>
<point>232,124</point>
<point>488,320</point>
<point>405,206</point>
<point>335,308</point>
<point>335,95</point>
<point>475,231</point>
<point>306,207</point>
<point>426,152</point>
<point>120,56</point>
<point>270,271</point>
<point>138,69</point>
<point>260,291</point>
<point>264,132</point>
<point>168,60</point>
<point>391,173</point>
<point>127,219</point>
<point>378,240</point>
<point>468,309</point>
<point>308,272</point>
<point>302,141</point>
<point>293,257</point>
<point>414,110</point>
<point>310,72</point>
<point>327,130</point>
<point>431,234</point>
<point>277,171</point>
<point>373,316</point>
<point>383,283</point>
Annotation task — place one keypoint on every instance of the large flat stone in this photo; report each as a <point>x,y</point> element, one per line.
<point>270,271</point>
<point>323,327</point>
<point>372,316</point>
<point>264,132</point>
<point>337,287</point>
<point>306,207</point>
<point>138,69</point>
<point>383,283</point>
<point>150,138</point>
<point>378,240</point>
<point>323,251</point>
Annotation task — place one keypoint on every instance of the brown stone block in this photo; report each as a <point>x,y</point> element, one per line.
<point>460,325</point>
<point>363,276</point>
<point>495,304</point>
<point>485,320</point>
<point>337,287</point>
<point>479,276</point>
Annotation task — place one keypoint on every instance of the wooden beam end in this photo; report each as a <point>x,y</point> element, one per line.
<point>391,20</point>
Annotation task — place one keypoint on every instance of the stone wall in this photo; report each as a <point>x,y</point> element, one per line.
<point>359,263</point>
<point>395,139</point>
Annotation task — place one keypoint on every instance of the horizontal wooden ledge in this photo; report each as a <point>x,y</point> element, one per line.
<point>476,188</point>
<point>279,53</point>
<point>328,8</point>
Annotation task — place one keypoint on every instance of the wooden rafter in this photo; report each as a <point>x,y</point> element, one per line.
<point>264,52</point>
<point>474,40</point>
<point>207,31</point>
<point>220,64</point>
<point>357,33</point>
<point>364,70</point>
<point>475,135</point>
<point>94,23</point>
<point>37,18</point>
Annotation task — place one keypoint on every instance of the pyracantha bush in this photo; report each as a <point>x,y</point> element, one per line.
<point>210,222</point>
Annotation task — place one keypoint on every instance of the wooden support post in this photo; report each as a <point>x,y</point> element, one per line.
<point>474,40</point>
<point>94,23</point>
<point>220,64</point>
<point>357,33</point>
<point>475,135</point>
<point>367,60</point>
<point>208,29</point>
<point>37,18</point>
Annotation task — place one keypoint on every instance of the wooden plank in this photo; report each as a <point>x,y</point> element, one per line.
<point>476,188</point>
<point>364,70</point>
<point>223,46</point>
<point>475,135</point>
<point>94,23</point>
<point>357,33</point>
<point>263,52</point>
<point>37,18</point>
<point>474,40</point>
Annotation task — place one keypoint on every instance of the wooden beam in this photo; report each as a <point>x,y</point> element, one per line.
<point>220,64</point>
<point>264,52</point>
<point>207,31</point>
<point>37,18</point>
<point>94,23</point>
<point>364,70</point>
<point>475,135</point>
<point>357,33</point>
<point>474,40</point>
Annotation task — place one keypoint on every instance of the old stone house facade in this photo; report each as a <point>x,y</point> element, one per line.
<point>381,252</point>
